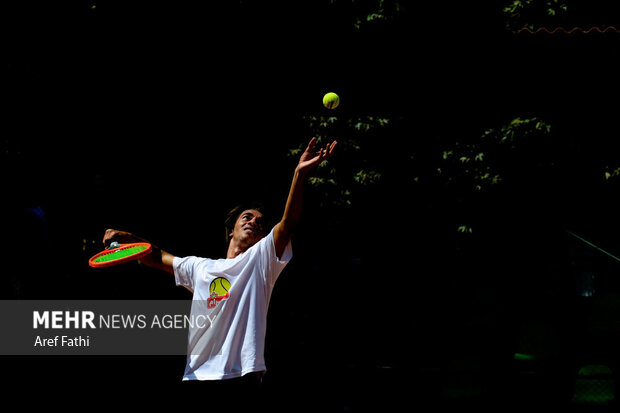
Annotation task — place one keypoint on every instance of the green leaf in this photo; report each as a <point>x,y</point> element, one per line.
<point>375,16</point>
<point>365,177</point>
<point>315,181</point>
<point>294,152</point>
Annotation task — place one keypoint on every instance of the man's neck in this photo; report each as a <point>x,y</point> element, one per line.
<point>234,249</point>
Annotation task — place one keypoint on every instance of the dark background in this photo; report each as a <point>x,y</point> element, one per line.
<point>158,118</point>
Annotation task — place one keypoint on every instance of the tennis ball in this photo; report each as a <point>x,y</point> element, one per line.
<point>220,286</point>
<point>331,100</point>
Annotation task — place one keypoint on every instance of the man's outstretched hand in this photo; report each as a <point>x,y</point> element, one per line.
<point>312,156</point>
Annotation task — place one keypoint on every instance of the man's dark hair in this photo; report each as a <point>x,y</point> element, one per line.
<point>233,214</point>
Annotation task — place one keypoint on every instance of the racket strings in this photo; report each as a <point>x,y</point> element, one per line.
<point>120,253</point>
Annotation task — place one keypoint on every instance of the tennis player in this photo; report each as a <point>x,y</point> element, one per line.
<point>234,292</point>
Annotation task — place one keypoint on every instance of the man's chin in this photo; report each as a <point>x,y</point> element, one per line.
<point>250,239</point>
<point>254,239</point>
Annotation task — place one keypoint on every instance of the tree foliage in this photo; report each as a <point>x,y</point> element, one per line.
<point>484,162</point>
<point>529,13</point>
<point>461,169</point>
<point>365,12</point>
<point>339,182</point>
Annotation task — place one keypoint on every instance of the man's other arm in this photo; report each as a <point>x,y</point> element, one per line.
<point>310,159</point>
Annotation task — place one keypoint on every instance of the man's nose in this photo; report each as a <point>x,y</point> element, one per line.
<point>255,222</point>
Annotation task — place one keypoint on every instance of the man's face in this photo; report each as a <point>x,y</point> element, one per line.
<point>248,228</point>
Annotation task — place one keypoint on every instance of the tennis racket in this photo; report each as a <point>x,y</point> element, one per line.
<point>119,253</point>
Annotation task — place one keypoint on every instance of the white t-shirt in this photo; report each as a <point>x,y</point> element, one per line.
<point>229,309</point>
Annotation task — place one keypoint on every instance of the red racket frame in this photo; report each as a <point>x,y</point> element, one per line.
<point>121,260</point>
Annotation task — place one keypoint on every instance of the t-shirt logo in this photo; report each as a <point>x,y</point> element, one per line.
<point>219,291</point>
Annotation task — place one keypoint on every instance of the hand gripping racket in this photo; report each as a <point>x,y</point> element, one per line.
<point>119,253</point>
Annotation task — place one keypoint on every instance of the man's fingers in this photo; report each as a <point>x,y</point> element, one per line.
<point>311,145</point>
<point>107,237</point>
<point>112,235</point>
<point>331,148</point>
<point>328,151</point>
<point>318,154</point>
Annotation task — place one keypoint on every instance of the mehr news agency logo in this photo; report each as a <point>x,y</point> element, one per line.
<point>87,320</point>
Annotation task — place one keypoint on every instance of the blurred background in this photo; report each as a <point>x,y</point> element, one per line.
<point>441,259</point>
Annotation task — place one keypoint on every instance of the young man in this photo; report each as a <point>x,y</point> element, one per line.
<point>233,293</point>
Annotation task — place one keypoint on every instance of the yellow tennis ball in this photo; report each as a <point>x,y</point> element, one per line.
<point>331,100</point>
<point>220,286</point>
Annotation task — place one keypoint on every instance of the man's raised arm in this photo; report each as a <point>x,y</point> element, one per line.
<point>309,160</point>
